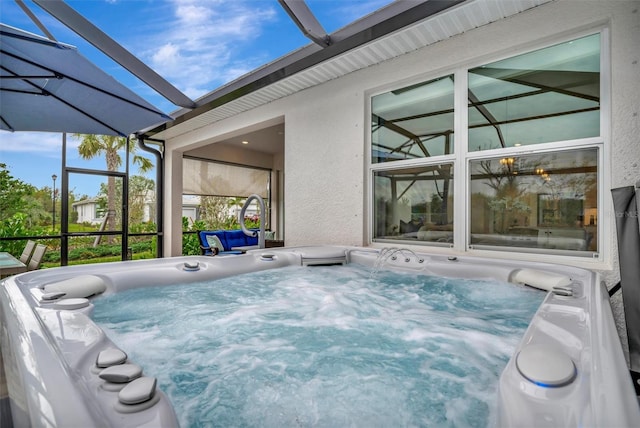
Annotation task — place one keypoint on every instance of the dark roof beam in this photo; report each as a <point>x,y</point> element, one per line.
<point>306,21</point>
<point>35,19</point>
<point>95,36</point>
<point>484,111</point>
<point>405,133</point>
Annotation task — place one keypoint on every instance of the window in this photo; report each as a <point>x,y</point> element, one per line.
<point>414,204</point>
<point>413,122</point>
<point>552,94</point>
<point>546,201</point>
<point>518,196</point>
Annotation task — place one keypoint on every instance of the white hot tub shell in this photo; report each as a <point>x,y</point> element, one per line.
<point>568,370</point>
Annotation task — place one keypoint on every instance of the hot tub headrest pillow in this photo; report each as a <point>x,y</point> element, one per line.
<point>539,279</point>
<point>79,286</point>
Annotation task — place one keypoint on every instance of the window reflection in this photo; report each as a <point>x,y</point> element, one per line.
<point>413,122</point>
<point>414,204</point>
<point>551,94</point>
<point>544,201</point>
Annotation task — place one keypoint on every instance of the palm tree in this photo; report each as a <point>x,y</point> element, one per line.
<point>236,204</point>
<point>110,146</point>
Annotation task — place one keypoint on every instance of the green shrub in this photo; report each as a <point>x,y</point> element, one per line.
<point>16,225</point>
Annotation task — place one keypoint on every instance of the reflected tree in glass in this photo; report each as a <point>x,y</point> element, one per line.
<point>543,200</point>
<point>509,201</point>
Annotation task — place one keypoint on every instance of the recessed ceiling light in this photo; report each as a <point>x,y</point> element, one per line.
<point>245,142</point>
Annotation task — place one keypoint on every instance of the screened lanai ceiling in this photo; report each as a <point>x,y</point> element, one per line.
<point>397,28</point>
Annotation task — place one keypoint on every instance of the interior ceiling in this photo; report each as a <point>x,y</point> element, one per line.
<point>268,140</point>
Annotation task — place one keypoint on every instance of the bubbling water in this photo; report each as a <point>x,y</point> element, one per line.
<point>324,346</point>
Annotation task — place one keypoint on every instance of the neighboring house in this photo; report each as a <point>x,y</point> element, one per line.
<point>87,210</point>
<point>191,207</point>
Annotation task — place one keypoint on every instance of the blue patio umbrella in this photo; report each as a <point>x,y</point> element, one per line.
<point>49,86</point>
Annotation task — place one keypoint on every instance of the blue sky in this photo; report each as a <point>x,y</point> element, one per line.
<point>197,45</point>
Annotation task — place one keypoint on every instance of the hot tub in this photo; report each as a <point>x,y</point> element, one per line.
<point>62,370</point>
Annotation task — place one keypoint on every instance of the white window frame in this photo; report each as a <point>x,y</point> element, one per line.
<point>462,157</point>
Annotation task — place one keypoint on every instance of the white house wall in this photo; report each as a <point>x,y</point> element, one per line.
<point>326,126</point>
<point>324,165</point>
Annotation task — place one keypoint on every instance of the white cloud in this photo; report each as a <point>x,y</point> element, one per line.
<point>196,49</point>
<point>193,13</point>
<point>40,143</point>
<point>168,55</point>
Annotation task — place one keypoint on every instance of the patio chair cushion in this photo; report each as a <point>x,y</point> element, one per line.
<point>227,238</point>
<point>213,241</point>
<point>36,257</point>
<point>27,252</point>
<point>237,238</point>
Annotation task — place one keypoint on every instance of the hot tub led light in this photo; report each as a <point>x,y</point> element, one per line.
<point>549,385</point>
<point>546,366</point>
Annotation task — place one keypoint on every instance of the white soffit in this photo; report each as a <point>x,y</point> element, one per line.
<point>454,21</point>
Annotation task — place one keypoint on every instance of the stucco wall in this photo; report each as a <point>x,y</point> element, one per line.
<point>324,166</point>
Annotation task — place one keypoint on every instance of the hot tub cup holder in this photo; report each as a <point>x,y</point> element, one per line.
<point>268,257</point>
<point>191,267</point>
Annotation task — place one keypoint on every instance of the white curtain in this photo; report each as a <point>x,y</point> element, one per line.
<point>208,178</point>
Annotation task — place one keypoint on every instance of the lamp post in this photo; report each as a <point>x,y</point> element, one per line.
<point>53,196</point>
